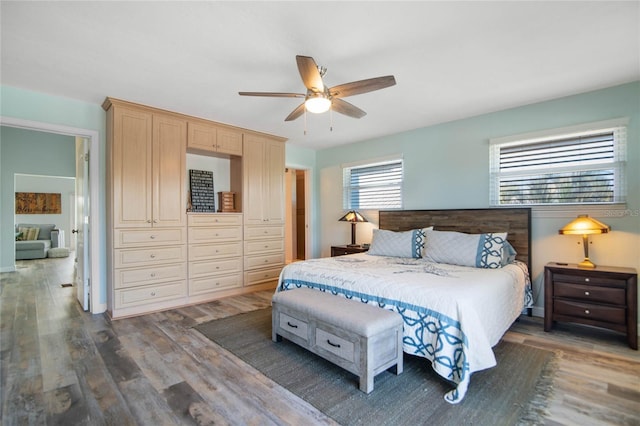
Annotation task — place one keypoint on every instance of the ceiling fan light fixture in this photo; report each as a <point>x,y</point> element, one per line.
<point>317,104</point>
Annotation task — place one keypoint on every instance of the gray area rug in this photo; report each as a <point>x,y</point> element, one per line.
<point>514,392</point>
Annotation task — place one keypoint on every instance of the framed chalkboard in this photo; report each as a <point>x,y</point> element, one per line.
<point>201,189</point>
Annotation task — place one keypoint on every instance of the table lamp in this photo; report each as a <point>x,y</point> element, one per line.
<point>354,217</point>
<point>585,225</point>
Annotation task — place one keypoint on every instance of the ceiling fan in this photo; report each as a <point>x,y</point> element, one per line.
<point>319,98</point>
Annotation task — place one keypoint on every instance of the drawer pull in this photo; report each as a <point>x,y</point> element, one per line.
<point>153,274</point>
<point>153,237</point>
<point>291,325</point>
<point>586,280</point>
<point>586,293</point>
<point>155,220</point>
<point>153,293</point>
<point>335,345</point>
<point>153,256</point>
<point>586,311</point>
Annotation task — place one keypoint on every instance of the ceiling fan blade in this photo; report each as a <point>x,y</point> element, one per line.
<point>344,107</point>
<point>362,86</point>
<point>295,113</point>
<point>273,94</point>
<point>309,73</point>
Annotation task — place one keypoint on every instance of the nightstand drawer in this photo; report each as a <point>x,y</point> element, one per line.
<point>594,280</point>
<point>598,313</point>
<point>614,296</point>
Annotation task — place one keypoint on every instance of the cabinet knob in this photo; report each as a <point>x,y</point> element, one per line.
<point>153,293</point>
<point>148,220</point>
<point>153,237</point>
<point>153,275</point>
<point>586,311</point>
<point>586,293</point>
<point>586,280</point>
<point>153,256</point>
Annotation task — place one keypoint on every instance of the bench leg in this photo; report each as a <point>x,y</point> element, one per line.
<point>366,382</point>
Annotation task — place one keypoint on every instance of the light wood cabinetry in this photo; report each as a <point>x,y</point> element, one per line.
<point>209,138</point>
<point>215,253</point>
<point>263,191</point>
<point>160,257</point>
<point>146,172</point>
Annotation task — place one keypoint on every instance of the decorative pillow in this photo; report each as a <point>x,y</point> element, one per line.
<point>508,253</point>
<point>397,244</point>
<point>457,248</point>
<point>32,234</point>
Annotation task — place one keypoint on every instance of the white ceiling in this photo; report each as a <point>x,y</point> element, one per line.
<point>451,60</point>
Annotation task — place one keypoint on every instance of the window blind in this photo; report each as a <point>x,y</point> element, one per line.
<point>576,169</point>
<point>373,186</point>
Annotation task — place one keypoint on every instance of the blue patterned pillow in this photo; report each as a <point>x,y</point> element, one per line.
<point>397,244</point>
<point>457,248</point>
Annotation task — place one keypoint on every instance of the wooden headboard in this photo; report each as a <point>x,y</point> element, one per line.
<point>515,221</point>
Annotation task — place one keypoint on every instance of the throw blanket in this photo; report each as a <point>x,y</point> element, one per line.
<point>453,315</point>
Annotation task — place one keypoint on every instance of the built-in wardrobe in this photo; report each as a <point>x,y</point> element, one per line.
<point>159,254</point>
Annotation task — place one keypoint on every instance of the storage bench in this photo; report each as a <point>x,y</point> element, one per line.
<point>360,338</point>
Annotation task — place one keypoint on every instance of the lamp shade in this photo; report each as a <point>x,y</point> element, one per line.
<point>584,225</point>
<point>353,216</point>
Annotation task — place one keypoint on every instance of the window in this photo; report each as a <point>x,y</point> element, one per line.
<point>373,186</point>
<point>578,165</point>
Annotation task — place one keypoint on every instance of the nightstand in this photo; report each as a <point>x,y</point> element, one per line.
<point>342,250</point>
<point>604,297</point>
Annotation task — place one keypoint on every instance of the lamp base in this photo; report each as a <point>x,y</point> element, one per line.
<point>586,263</point>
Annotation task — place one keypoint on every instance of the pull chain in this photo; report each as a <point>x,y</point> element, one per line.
<point>305,121</point>
<point>331,119</point>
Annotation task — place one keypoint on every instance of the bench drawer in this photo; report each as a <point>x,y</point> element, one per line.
<point>294,326</point>
<point>335,344</point>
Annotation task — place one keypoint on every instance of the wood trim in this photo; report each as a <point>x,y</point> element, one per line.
<point>515,221</point>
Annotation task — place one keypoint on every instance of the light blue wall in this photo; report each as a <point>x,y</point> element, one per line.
<point>447,166</point>
<point>38,107</point>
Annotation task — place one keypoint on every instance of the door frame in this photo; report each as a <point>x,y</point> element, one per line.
<point>94,208</point>
<point>308,235</point>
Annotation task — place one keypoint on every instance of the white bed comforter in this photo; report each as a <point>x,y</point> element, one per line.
<point>453,315</point>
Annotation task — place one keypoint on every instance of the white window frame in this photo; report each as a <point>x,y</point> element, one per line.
<point>617,126</point>
<point>347,189</point>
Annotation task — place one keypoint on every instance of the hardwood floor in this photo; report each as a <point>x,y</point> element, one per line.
<point>61,366</point>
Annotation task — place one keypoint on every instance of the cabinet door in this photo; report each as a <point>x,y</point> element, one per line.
<point>202,136</point>
<point>169,171</point>
<point>229,142</point>
<point>274,170</point>
<point>131,168</point>
<point>254,179</point>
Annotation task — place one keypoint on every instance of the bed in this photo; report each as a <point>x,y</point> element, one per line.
<point>455,309</point>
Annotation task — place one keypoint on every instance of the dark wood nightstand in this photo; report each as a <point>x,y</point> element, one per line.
<point>342,250</point>
<point>604,297</point>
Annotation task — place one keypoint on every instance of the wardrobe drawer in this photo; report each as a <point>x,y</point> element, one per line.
<point>262,246</point>
<point>264,261</point>
<point>126,298</point>
<point>124,278</point>
<point>123,238</point>
<point>214,283</point>
<point>126,258</point>
<point>214,235</point>
<point>214,251</point>
<point>219,219</point>
<point>262,232</point>
<point>200,269</point>
<point>262,276</point>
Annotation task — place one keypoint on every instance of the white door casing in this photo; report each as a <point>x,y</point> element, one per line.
<point>81,227</point>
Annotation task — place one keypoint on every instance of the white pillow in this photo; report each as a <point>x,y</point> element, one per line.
<point>397,244</point>
<point>457,248</point>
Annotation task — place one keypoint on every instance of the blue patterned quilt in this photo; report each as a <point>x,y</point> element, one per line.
<point>453,315</point>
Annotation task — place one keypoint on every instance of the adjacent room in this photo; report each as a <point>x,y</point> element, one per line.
<point>319,212</point>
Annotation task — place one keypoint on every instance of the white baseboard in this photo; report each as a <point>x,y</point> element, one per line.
<point>99,309</point>
<point>8,269</point>
<point>537,311</point>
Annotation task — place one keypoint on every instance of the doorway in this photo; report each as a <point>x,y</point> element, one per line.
<point>95,305</point>
<point>296,215</point>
